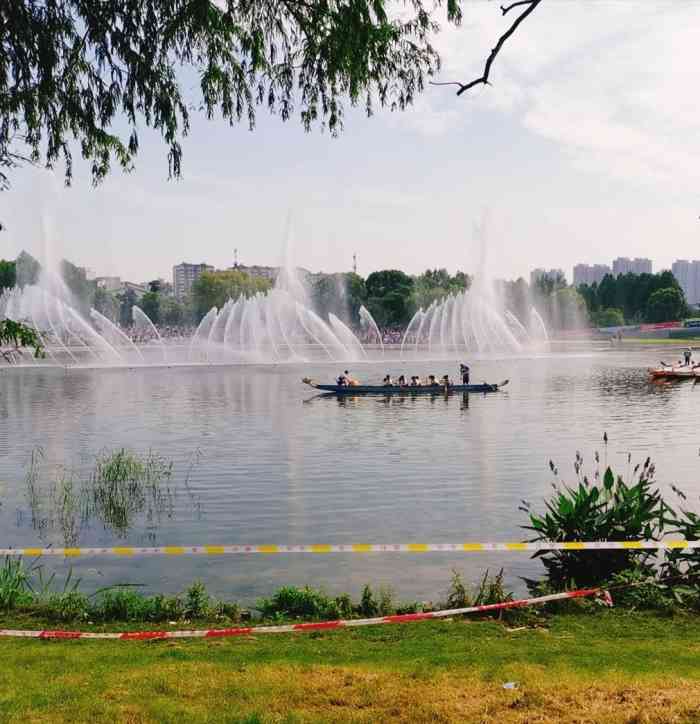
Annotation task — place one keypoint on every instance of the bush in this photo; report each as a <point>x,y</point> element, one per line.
<point>457,594</point>
<point>644,592</point>
<point>593,511</point>
<point>71,606</point>
<point>368,605</point>
<point>292,602</point>
<point>196,601</point>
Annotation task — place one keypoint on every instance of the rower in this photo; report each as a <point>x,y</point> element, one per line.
<point>446,381</point>
<point>432,382</point>
<point>388,382</point>
<point>342,380</point>
<point>464,371</point>
<point>402,381</point>
<point>688,356</point>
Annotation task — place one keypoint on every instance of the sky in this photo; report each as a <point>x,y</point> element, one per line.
<point>584,148</point>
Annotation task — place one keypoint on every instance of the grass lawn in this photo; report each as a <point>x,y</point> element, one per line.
<point>605,667</point>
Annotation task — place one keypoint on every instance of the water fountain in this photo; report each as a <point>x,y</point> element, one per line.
<point>277,326</point>
<point>473,321</point>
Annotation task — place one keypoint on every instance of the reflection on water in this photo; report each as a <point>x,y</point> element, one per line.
<point>268,468</point>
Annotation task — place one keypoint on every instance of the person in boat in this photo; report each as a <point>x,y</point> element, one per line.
<point>388,381</point>
<point>432,382</point>
<point>445,381</point>
<point>342,380</point>
<point>351,381</point>
<point>402,381</point>
<point>464,371</point>
<point>414,381</point>
<point>688,356</point>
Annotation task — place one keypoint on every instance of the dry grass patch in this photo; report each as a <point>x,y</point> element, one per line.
<point>202,692</point>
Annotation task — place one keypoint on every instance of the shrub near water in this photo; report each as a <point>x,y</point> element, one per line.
<point>598,510</point>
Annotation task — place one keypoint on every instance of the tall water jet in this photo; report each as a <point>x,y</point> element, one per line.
<point>145,328</point>
<point>369,327</point>
<point>114,335</point>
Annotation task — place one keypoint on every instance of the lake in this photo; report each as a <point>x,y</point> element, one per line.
<point>260,458</point>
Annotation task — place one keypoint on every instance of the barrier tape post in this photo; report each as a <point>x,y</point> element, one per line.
<point>319,548</point>
<point>305,627</point>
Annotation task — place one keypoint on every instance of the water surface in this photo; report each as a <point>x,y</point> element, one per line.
<point>258,458</point>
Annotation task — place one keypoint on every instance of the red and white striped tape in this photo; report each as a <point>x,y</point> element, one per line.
<point>319,626</point>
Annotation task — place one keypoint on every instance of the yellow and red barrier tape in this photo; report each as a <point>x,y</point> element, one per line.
<point>220,550</point>
<point>305,627</point>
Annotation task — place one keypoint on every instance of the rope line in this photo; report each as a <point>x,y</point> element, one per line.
<point>304,627</point>
<point>219,550</point>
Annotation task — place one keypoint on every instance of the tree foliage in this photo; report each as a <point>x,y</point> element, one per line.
<point>665,305</point>
<point>390,297</point>
<point>16,335</point>
<point>436,284</point>
<point>150,304</point>
<point>8,274</point>
<point>609,317</point>
<point>631,293</point>
<point>70,68</point>
<point>214,289</point>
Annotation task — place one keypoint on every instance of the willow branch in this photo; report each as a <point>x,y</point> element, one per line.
<point>483,79</point>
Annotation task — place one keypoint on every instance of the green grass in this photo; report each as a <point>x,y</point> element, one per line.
<point>610,666</point>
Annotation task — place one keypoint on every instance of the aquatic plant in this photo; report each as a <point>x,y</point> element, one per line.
<point>124,484</point>
<point>596,509</point>
<point>121,486</point>
<point>15,584</point>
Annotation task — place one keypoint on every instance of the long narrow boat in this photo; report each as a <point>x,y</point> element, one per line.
<point>405,390</point>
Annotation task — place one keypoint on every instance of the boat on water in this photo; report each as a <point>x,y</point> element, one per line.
<point>669,372</point>
<point>403,389</point>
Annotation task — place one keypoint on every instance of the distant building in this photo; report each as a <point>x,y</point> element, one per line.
<point>138,289</point>
<point>687,274</point>
<point>185,275</point>
<point>624,265</point>
<point>263,272</point>
<point>590,273</point>
<point>109,284</point>
<point>553,274</point>
<point>89,273</point>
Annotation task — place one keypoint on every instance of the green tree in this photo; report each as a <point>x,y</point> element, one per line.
<point>666,305</point>
<point>27,269</point>
<point>127,299</point>
<point>70,68</point>
<point>106,303</point>
<point>357,295</point>
<point>8,274</point>
<point>81,288</point>
<point>172,312</point>
<point>214,289</point>
<point>14,336</point>
<point>566,309</point>
<point>150,305</point>
<point>390,297</point>
<point>610,317</point>
<point>436,284</point>
<point>629,293</point>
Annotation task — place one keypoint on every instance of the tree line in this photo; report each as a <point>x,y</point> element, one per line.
<point>634,298</point>
<point>390,295</point>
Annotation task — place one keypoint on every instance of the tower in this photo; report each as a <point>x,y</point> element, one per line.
<point>235,258</point>
<point>354,263</point>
